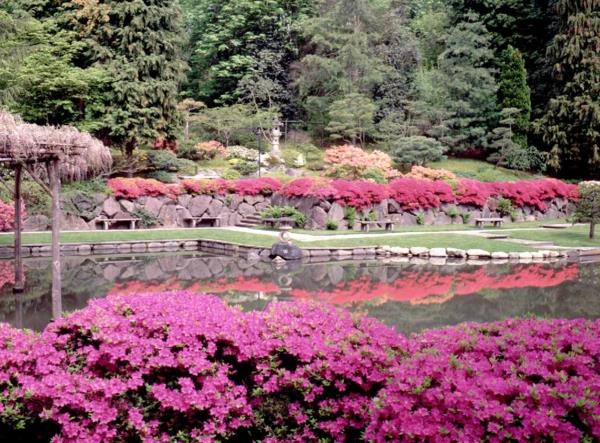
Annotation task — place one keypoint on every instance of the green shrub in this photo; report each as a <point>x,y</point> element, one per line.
<point>453,213</point>
<point>417,150</point>
<point>420,218</point>
<point>316,166</point>
<point>332,225</point>
<point>505,207</point>
<point>374,174</point>
<point>162,176</point>
<point>37,201</point>
<point>466,217</point>
<point>371,216</point>
<point>231,174</point>
<point>245,168</point>
<point>285,211</point>
<point>187,167</point>
<point>147,219</point>
<point>350,216</point>
<point>163,161</point>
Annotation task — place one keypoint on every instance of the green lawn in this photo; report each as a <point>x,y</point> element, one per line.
<point>428,241</point>
<point>434,228</point>
<point>150,234</point>
<point>479,170</point>
<point>574,236</point>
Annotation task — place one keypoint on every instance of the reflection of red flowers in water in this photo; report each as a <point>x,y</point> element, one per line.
<point>7,273</point>
<point>219,286</point>
<point>411,286</point>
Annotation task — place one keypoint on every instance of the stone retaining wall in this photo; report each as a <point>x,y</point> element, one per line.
<point>231,209</point>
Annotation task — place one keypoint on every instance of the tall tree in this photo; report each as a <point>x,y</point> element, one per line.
<point>232,40</point>
<point>471,89</point>
<point>571,125</point>
<point>513,92</point>
<point>138,43</point>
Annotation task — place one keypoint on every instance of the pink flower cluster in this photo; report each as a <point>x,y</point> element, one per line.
<point>357,161</point>
<point>412,193</point>
<point>7,216</point>
<point>519,380</point>
<point>155,368</point>
<point>133,188</point>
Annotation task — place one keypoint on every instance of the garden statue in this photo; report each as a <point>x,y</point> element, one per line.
<point>276,136</point>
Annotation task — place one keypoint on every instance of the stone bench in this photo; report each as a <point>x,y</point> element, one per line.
<point>496,221</point>
<point>279,222</point>
<point>108,222</point>
<point>192,222</point>
<point>366,224</point>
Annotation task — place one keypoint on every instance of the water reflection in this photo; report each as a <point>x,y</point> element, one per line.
<point>412,297</point>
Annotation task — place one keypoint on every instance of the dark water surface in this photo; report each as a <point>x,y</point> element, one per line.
<point>412,297</point>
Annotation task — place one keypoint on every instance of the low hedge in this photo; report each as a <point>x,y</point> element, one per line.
<point>155,367</point>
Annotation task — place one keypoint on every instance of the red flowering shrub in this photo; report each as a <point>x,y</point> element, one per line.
<point>413,194</point>
<point>132,188</point>
<point>157,368</point>
<point>7,216</point>
<point>208,186</point>
<point>255,186</point>
<point>518,380</point>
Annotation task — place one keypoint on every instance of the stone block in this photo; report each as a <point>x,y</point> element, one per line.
<point>478,253</point>
<point>418,251</point>
<point>438,252</point>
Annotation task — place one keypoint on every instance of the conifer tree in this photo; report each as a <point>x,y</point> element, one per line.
<point>471,88</point>
<point>138,43</point>
<point>571,125</point>
<point>513,92</point>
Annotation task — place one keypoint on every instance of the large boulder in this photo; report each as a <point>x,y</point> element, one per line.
<point>336,212</point>
<point>317,218</point>
<point>199,205</point>
<point>36,223</point>
<point>246,209</point>
<point>128,206</point>
<point>110,207</point>
<point>287,251</point>
<point>254,199</point>
<point>70,222</point>
<point>153,205</point>
<point>215,207</point>
<point>168,216</point>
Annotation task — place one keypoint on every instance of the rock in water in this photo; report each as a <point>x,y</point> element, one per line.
<point>286,251</point>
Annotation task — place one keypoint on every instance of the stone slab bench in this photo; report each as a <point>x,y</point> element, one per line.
<point>193,222</point>
<point>496,221</point>
<point>279,222</point>
<point>108,222</point>
<point>366,224</point>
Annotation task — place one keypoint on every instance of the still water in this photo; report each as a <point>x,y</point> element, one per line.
<point>409,296</point>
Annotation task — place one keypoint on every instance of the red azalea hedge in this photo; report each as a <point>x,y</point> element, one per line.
<point>156,368</point>
<point>410,193</point>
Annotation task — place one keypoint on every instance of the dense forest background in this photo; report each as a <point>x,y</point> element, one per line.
<point>515,82</point>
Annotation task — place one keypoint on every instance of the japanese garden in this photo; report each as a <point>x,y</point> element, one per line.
<point>299,221</point>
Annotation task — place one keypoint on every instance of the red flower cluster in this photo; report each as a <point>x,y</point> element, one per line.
<point>413,193</point>
<point>132,188</point>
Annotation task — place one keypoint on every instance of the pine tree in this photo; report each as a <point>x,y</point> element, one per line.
<point>571,125</point>
<point>351,118</point>
<point>138,43</point>
<point>471,88</point>
<point>513,92</point>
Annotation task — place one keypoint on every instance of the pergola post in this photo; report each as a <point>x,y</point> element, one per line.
<point>56,265</point>
<point>19,279</point>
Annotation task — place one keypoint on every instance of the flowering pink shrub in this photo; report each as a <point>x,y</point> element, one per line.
<point>255,186</point>
<point>356,161</point>
<point>133,188</point>
<point>210,149</point>
<point>7,216</point>
<point>519,380</point>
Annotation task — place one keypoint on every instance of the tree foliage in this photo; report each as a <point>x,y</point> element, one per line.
<point>571,125</point>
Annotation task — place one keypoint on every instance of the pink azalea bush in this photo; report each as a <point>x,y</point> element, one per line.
<point>7,216</point>
<point>518,380</point>
<point>156,368</point>
<point>353,161</point>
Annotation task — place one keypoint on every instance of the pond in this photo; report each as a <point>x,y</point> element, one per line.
<point>411,297</point>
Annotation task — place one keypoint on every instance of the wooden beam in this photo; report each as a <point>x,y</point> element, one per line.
<point>54,174</point>
<point>38,180</point>
<point>19,280</point>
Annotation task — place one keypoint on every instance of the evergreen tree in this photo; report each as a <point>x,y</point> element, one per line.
<point>138,44</point>
<point>351,118</point>
<point>471,88</point>
<point>417,150</point>
<point>233,40</point>
<point>571,125</point>
<point>513,92</point>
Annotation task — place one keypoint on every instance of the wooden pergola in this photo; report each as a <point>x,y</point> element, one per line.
<point>49,155</point>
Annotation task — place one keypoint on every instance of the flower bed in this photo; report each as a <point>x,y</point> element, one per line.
<point>7,216</point>
<point>154,367</point>
<point>409,193</point>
